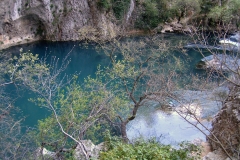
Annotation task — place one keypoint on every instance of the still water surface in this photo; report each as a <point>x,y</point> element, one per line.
<point>149,122</point>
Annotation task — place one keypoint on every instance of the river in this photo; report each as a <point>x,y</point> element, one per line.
<point>168,128</point>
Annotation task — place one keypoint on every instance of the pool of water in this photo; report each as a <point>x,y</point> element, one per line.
<point>148,123</point>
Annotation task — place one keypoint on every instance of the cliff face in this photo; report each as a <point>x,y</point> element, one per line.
<point>226,126</point>
<point>22,21</point>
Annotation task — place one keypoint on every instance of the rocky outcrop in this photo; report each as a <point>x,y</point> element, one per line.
<point>91,149</point>
<point>44,153</point>
<point>29,20</point>
<point>177,28</point>
<point>226,126</point>
<point>215,155</point>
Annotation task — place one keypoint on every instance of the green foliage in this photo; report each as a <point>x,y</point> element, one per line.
<point>120,7</point>
<point>150,15</point>
<point>234,6</point>
<point>226,12</point>
<point>206,6</point>
<point>146,150</point>
<point>183,8</point>
<point>165,13</point>
<point>155,12</point>
<point>105,4</point>
<point>26,68</point>
<point>220,14</point>
<point>81,110</point>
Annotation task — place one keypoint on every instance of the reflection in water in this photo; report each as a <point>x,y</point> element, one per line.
<point>166,128</point>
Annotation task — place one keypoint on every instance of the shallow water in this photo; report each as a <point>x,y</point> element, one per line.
<point>166,128</point>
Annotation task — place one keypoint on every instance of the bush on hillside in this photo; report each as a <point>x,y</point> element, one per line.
<point>146,150</point>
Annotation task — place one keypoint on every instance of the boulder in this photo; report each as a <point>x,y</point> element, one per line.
<point>214,156</point>
<point>177,27</point>
<point>226,126</point>
<point>44,153</point>
<point>91,149</point>
<point>167,28</point>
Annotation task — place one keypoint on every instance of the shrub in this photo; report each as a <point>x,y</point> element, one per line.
<point>104,4</point>
<point>184,8</point>
<point>120,7</point>
<point>150,16</point>
<point>147,150</point>
<point>226,12</point>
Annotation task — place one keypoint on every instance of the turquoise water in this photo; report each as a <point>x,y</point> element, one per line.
<point>85,61</point>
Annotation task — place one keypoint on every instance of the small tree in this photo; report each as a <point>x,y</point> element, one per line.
<point>185,8</point>
<point>138,71</point>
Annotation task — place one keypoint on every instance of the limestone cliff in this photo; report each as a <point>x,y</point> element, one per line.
<point>22,21</point>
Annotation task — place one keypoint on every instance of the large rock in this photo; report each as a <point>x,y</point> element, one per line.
<point>44,153</point>
<point>226,126</point>
<point>177,27</point>
<point>215,155</point>
<point>91,149</point>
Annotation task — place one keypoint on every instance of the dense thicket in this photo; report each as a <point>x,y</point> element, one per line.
<point>151,13</point>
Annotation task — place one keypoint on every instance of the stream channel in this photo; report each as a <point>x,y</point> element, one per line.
<point>169,128</point>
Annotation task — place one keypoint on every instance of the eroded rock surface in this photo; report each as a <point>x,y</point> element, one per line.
<point>23,21</point>
<point>226,126</point>
<point>92,150</point>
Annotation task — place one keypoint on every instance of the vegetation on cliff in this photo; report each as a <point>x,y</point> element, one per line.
<point>151,13</point>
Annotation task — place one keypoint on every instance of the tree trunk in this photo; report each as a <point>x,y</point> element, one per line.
<point>124,131</point>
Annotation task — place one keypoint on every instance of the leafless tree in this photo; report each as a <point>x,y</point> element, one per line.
<point>141,70</point>
<point>220,56</point>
